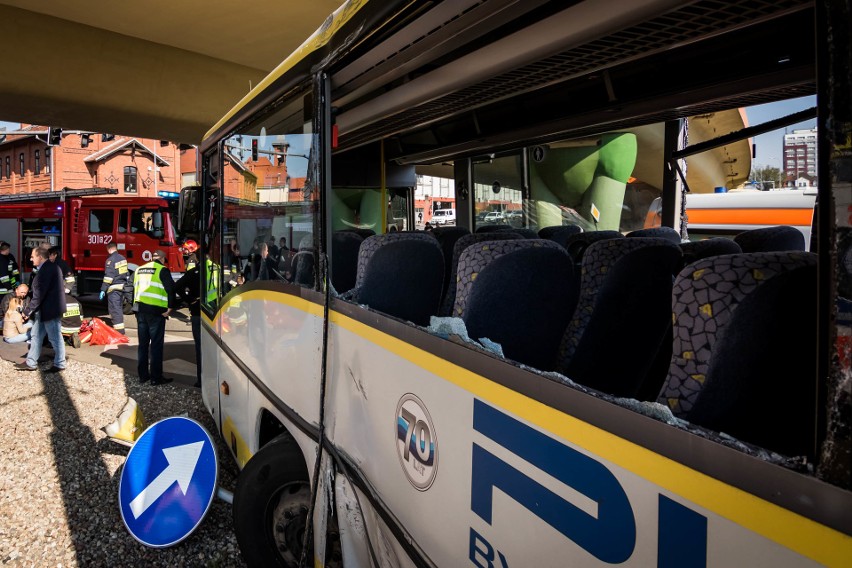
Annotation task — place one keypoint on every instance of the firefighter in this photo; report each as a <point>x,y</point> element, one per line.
<point>115,277</point>
<point>189,249</point>
<point>71,320</point>
<point>70,280</point>
<point>9,274</point>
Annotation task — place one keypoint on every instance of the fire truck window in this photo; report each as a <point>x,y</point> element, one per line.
<point>141,222</point>
<point>101,220</point>
<point>122,221</point>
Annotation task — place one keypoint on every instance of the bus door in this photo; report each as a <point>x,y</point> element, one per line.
<point>270,312</point>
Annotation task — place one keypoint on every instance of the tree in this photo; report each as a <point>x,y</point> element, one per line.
<point>767,177</point>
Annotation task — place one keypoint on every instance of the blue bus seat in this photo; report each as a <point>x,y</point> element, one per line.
<point>744,356</point>
<point>519,300</point>
<point>623,316</point>
<point>770,239</point>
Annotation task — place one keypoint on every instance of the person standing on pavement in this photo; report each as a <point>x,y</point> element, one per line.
<point>45,309</point>
<point>9,273</point>
<point>153,299</point>
<point>70,281</point>
<point>188,288</point>
<point>115,277</point>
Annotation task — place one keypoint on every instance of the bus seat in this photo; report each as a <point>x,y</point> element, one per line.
<point>303,263</point>
<point>658,232</point>
<point>479,255</point>
<point>576,245</point>
<point>344,259</point>
<point>744,356</point>
<point>696,250</point>
<point>559,233</point>
<point>770,239</point>
<point>623,316</point>
<point>363,233</point>
<point>449,298</point>
<point>447,238</point>
<point>525,233</point>
<point>493,228</point>
<point>518,300</point>
<point>401,274</point>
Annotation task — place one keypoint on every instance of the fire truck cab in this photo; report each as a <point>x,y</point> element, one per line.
<point>82,223</point>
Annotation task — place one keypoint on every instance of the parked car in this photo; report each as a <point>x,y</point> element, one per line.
<point>494,217</point>
<point>444,217</point>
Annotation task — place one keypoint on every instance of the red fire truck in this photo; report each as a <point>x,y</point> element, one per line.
<point>82,222</point>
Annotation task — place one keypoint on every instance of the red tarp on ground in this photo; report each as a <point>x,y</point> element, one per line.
<point>97,332</point>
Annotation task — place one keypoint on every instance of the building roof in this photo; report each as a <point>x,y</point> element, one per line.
<point>120,145</point>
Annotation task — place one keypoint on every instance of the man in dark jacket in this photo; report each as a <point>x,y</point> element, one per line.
<point>45,309</point>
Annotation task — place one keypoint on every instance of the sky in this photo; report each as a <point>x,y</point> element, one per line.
<point>769,145</point>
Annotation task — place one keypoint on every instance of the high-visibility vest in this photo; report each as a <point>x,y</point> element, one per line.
<point>148,287</point>
<point>212,282</point>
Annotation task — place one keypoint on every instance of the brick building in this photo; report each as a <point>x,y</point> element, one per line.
<point>135,166</point>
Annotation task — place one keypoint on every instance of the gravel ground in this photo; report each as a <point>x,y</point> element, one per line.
<point>59,473</point>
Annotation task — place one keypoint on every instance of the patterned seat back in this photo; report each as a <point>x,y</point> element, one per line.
<point>400,274</point>
<point>447,238</point>
<point>622,318</point>
<point>344,259</point>
<point>769,239</point>
<point>658,233</point>
<point>559,233</point>
<point>477,256</point>
<point>449,298</point>
<point>744,355</point>
<point>696,250</point>
<point>304,263</point>
<point>519,300</point>
<point>576,245</point>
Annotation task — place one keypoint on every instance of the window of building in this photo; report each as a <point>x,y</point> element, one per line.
<point>8,168</point>
<point>101,220</point>
<point>164,142</point>
<point>37,162</point>
<point>21,161</point>
<point>129,179</point>
<point>47,160</point>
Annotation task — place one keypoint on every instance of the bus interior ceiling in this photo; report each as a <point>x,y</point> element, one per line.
<point>693,59</point>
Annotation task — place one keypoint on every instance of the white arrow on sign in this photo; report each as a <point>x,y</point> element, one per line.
<point>182,461</point>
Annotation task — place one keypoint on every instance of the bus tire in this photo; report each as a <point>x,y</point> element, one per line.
<point>271,503</point>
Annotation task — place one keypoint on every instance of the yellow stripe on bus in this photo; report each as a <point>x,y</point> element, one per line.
<point>794,531</point>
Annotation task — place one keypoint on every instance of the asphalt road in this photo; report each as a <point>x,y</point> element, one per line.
<point>178,351</point>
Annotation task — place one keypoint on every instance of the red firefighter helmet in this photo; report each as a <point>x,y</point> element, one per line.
<point>189,247</point>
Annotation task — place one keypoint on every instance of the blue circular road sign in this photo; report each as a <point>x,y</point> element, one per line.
<point>168,482</point>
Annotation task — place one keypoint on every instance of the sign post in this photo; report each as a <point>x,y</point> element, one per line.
<point>168,482</point>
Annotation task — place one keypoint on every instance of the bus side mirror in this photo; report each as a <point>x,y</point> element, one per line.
<point>188,214</point>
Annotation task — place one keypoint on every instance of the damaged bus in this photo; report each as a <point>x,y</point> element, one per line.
<point>542,389</point>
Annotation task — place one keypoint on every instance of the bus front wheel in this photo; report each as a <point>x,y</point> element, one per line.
<point>271,503</point>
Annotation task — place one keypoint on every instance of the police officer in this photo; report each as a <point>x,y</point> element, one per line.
<point>153,299</point>
<point>9,274</point>
<point>115,277</point>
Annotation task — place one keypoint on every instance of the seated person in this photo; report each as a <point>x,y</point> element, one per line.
<point>71,321</point>
<point>14,328</point>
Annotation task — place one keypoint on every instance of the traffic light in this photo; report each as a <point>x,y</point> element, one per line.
<point>54,136</point>
<point>84,140</point>
<point>107,137</point>
<point>254,150</point>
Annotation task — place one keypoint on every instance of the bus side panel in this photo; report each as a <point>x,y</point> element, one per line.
<point>278,338</point>
<point>480,475</point>
<point>210,370</point>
